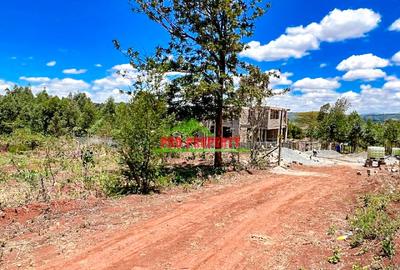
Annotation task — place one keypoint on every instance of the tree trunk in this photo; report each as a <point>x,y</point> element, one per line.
<point>218,134</point>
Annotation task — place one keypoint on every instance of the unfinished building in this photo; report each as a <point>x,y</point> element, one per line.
<point>267,123</point>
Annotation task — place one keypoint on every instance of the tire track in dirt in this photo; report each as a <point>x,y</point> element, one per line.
<point>211,231</point>
<point>190,211</point>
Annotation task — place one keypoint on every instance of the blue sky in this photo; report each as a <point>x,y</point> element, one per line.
<point>324,49</point>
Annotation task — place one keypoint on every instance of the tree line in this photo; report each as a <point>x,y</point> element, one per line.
<point>74,115</point>
<point>332,124</point>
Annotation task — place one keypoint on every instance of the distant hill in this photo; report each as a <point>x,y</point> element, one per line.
<point>292,116</point>
<point>381,117</point>
<point>373,117</point>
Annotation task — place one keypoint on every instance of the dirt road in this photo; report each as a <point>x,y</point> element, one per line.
<point>261,221</point>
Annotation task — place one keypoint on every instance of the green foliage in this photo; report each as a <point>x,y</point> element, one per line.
<point>112,184</point>
<point>23,140</point>
<point>190,128</point>
<point>336,257</point>
<point>308,122</point>
<point>355,131</point>
<point>372,134</point>
<point>331,230</point>
<point>358,266</point>
<point>388,247</point>
<point>141,125</point>
<point>294,131</point>
<point>332,124</point>
<point>59,168</point>
<point>391,133</point>
<point>206,48</point>
<point>106,122</point>
<point>47,115</point>
<point>373,221</point>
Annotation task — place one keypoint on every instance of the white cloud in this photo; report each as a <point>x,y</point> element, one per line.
<point>364,61</point>
<point>123,68</point>
<point>392,84</point>
<point>310,101</point>
<point>395,25</point>
<point>74,71</point>
<point>364,74</point>
<point>368,99</point>
<point>312,85</point>
<point>314,92</point>
<point>98,65</point>
<point>56,86</point>
<point>338,25</point>
<point>121,78</point>
<point>51,63</point>
<point>396,58</point>
<point>5,85</point>
<point>363,67</point>
<point>35,79</point>
<point>283,79</point>
<point>380,100</point>
<point>98,90</point>
<point>323,65</point>
<point>348,24</point>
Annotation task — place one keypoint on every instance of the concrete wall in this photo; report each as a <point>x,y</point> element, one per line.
<point>240,126</point>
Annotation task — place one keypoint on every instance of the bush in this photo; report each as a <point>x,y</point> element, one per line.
<point>141,124</point>
<point>22,140</point>
<point>372,221</point>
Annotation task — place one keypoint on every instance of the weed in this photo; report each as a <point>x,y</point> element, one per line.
<point>388,248</point>
<point>331,230</point>
<point>111,184</point>
<point>335,258</point>
<point>358,266</point>
<point>374,221</point>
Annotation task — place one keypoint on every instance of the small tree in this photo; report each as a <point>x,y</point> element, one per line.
<point>391,133</point>
<point>141,124</point>
<point>294,131</point>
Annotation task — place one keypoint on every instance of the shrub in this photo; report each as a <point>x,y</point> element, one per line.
<point>24,140</point>
<point>141,124</point>
<point>372,221</point>
<point>335,258</point>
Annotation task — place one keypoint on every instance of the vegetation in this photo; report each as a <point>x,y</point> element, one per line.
<point>373,220</point>
<point>51,115</point>
<point>141,125</point>
<point>206,38</point>
<point>331,124</point>
<point>59,168</point>
<point>70,147</point>
<point>336,256</point>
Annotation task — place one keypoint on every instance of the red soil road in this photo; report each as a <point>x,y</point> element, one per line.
<point>264,221</point>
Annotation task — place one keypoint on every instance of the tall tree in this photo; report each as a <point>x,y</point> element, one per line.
<point>355,134</point>
<point>392,133</point>
<point>373,134</point>
<point>333,125</point>
<point>205,42</point>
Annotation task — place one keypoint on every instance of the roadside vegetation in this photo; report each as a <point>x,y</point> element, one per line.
<point>332,125</point>
<point>369,237</point>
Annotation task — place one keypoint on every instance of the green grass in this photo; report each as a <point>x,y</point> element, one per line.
<point>372,221</point>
